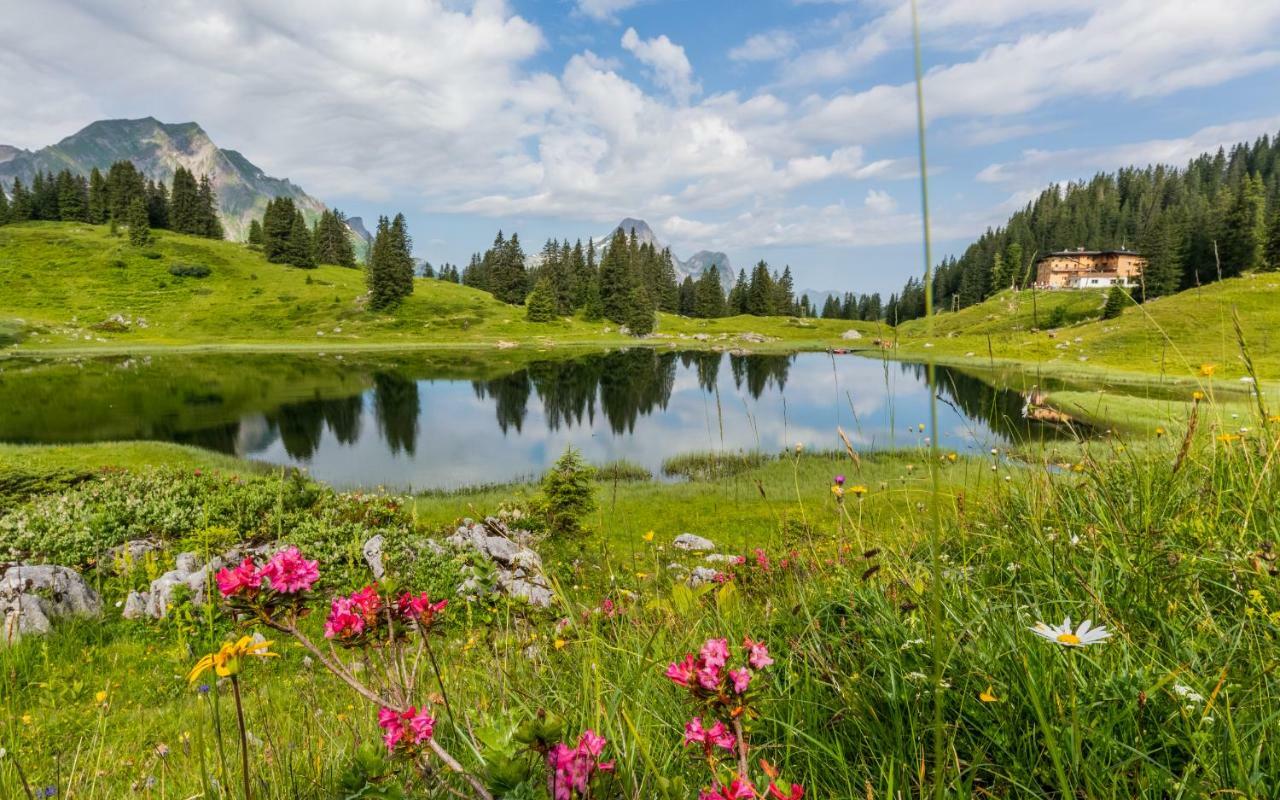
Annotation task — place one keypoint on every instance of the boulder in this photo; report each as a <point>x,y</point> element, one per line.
<point>517,567</point>
<point>373,556</point>
<point>32,597</point>
<point>135,606</point>
<point>690,541</point>
<point>851,334</point>
<point>701,575</point>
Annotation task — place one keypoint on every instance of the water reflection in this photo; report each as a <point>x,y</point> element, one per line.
<point>411,421</point>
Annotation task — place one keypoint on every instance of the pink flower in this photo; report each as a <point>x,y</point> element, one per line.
<point>388,718</point>
<point>343,621</point>
<point>420,607</point>
<point>592,743</point>
<point>741,679</point>
<point>715,652</point>
<point>289,572</point>
<point>757,654</point>
<point>718,735</point>
<point>392,738</point>
<point>571,768</point>
<point>422,725</point>
<point>607,607</point>
<point>367,603</point>
<point>709,678</point>
<point>738,789</point>
<point>681,672</point>
<point>234,581</point>
<point>762,560</point>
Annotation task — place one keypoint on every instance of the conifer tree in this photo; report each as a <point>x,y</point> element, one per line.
<point>277,225</point>
<point>209,225</point>
<point>298,246</point>
<point>738,295</point>
<point>332,245</point>
<point>124,183</point>
<point>688,305</point>
<point>784,300</point>
<point>20,203</point>
<point>157,204</point>
<point>640,317</point>
<point>139,226</point>
<point>255,233</point>
<point>72,198</point>
<point>1117,299</point>
<point>184,203</point>
<point>401,254</point>
<point>709,302</point>
<point>592,305</point>
<point>98,203</point>
<point>1273,238</point>
<point>380,270</point>
<point>540,306</point>
<point>760,294</point>
<point>616,278</point>
<point>668,290</point>
<point>4,206</point>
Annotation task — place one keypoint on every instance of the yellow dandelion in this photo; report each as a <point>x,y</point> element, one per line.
<point>100,698</point>
<point>559,644</point>
<point>988,696</point>
<point>1207,370</point>
<point>648,536</point>
<point>1197,395</point>
<point>859,490</point>
<point>1160,431</point>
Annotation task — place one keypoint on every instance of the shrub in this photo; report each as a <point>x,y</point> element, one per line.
<point>1117,299</point>
<point>567,493</point>
<point>190,271</point>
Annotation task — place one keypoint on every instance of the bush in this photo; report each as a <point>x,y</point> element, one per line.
<point>190,271</point>
<point>567,493</point>
<point>1117,299</point>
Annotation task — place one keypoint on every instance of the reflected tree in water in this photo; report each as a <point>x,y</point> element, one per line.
<point>635,382</point>
<point>396,405</point>
<point>510,394</point>
<point>567,390</point>
<point>300,425</point>
<point>758,373</point>
<point>342,415</point>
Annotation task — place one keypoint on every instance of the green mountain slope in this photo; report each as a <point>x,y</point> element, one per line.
<point>63,283</point>
<point>157,149</point>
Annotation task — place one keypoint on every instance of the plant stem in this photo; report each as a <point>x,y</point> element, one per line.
<point>743,767</point>
<point>244,741</point>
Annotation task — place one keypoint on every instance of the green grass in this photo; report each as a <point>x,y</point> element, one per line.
<point>118,455</point>
<point>64,281</point>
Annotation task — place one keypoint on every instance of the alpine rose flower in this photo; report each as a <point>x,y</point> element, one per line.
<point>572,768</point>
<point>718,735</point>
<point>409,727</point>
<point>757,654</point>
<point>715,652</point>
<point>420,607</point>
<point>289,572</point>
<point>232,582</point>
<point>741,679</point>
<point>681,672</point>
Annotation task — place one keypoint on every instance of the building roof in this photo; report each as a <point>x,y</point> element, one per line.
<point>1082,252</point>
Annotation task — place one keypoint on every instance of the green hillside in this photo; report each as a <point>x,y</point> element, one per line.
<point>69,285</point>
<point>1175,335</point>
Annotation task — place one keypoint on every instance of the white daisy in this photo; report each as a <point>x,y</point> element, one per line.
<point>1063,635</point>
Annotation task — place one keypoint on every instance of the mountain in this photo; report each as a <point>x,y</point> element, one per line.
<point>157,149</point>
<point>360,237</point>
<point>695,266</point>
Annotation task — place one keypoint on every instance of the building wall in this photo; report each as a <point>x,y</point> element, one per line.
<point>1058,270</point>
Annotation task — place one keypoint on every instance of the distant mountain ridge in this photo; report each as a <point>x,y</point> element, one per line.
<point>693,267</point>
<point>157,149</point>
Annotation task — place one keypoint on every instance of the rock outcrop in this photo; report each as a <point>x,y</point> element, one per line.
<point>517,567</point>
<point>32,597</point>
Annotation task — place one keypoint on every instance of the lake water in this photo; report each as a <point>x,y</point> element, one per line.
<point>426,420</point>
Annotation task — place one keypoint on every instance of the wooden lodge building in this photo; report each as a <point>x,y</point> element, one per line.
<point>1089,269</point>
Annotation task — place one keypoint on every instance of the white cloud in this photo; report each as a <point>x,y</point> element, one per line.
<point>880,201</point>
<point>1035,166</point>
<point>764,47</point>
<point>666,59</point>
<point>605,10</point>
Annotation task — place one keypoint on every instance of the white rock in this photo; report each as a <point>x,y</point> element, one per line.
<point>373,556</point>
<point>690,541</point>
<point>851,334</point>
<point>701,575</point>
<point>135,606</point>
<point>32,597</point>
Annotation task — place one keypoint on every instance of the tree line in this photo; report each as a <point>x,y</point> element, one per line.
<point>867,307</point>
<point>1215,218</point>
<point>123,196</point>
<point>285,238</point>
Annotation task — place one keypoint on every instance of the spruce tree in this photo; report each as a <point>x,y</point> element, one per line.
<point>668,290</point>
<point>784,300</point>
<point>1117,299</point>
<point>20,203</point>
<point>616,279</point>
<point>98,203</point>
<point>640,316</point>
<point>738,295</point>
<point>184,203</point>
<point>379,272</point>
<point>4,206</point>
<point>709,302</point>
<point>298,247</point>
<point>277,225</point>
<point>401,254</point>
<point>688,297</point>
<point>158,204</point>
<point>1273,238</point>
<point>760,294</point>
<point>592,306</point>
<point>540,306</point>
<point>139,226</point>
<point>124,183</point>
<point>255,233</point>
<point>332,245</point>
<point>209,225</point>
<point>72,198</point>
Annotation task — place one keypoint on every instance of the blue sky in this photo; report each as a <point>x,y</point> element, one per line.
<point>780,130</point>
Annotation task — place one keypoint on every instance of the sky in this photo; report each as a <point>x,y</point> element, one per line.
<point>782,131</point>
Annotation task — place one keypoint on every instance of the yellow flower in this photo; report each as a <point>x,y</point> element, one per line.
<point>226,661</point>
<point>1197,395</point>
<point>1160,431</point>
<point>100,698</point>
<point>26,719</point>
<point>951,457</point>
<point>921,426</point>
<point>1228,438</point>
<point>837,490</point>
<point>648,536</point>
<point>858,489</point>
<point>988,696</point>
<point>1207,370</point>
<point>559,644</point>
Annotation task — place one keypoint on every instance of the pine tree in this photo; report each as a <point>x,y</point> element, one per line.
<point>616,279</point>
<point>1273,238</point>
<point>298,251</point>
<point>760,294</point>
<point>1117,299</point>
<point>20,203</point>
<point>255,233</point>
<point>98,209</point>
<point>592,305</point>
<point>139,226</point>
<point>1245,239</point>
<point>709,302</point>
<point>784,300</point>
<point>4,206</point>
<point>277,225</point>
<point>157,204</point>
<point>380,270</point>
<point>73,201</point>
<point>44,197</point>
<point>688,297</point>
<point>184,203</point>
<point>207,204</point>
<point>668,291</point>
<point>331,242</point>
<point>504,272</point>
<point>640,317</point>
<point>540,305</point>
<point>401,254</point>
<point>830,308</point>
<point>124,183</point>
<point>738,295</point>
<point>1014,271</point>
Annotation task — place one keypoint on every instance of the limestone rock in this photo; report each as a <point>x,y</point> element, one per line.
<point>690,541</point>
<point>135,606</point>
<point>851,334</point>
<point>32,597</point>
<point>701,575</point>
<point>517,567</point>
<point>373,556</point>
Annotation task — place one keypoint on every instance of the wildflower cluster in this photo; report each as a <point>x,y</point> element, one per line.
<point>570,770</point>
<point>365,616</point>
<point>282,583</point>
<point>723,692</point>
<point>406,731</point>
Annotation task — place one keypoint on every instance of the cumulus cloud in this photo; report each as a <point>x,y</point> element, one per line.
<point>605,9</point>
<point>667,61</point>
<point>880,201</point>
